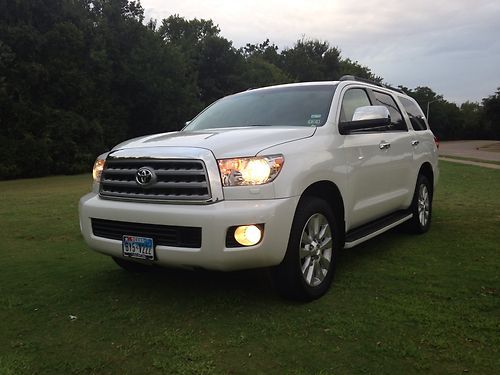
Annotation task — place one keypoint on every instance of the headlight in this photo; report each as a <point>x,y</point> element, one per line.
<point>98,167</point>
<point>250,171</point>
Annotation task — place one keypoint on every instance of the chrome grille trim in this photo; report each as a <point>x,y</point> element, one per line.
<point>176,180</point>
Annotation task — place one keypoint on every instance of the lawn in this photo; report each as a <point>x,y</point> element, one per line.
<point>400,303</point>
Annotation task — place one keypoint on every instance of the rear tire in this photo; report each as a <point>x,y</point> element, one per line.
<point>307,270</point>
<point>132,266</point>
<point>421,206</point>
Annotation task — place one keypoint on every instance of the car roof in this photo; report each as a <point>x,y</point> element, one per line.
<point>354,80</point>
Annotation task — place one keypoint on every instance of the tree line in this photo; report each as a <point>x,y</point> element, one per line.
<point>449,121</point>
<point>79,76</point>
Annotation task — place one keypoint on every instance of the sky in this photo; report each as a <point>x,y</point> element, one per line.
<point>451,46</point>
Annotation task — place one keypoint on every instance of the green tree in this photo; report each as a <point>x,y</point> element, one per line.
<point>491,107</point>
<point>349,67</point>
<point>266,51</point>
<point>443,116</point>
<point>262,63</point>
<point>473,120</point>
<point>79,76</point>
<point>188,34</point>
<point>213,63</point>
<point>311,60</point>
<point>220,68</point>
<point>259,73</point>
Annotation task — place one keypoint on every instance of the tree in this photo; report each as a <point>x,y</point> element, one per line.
<point>261,65</point>
<point>473,122</point>
<point>79,76</point>
<point>444,117</point>
<point>491,107</point>
<point>213,63</point>
<point>187,33</point>
<point>259,72</point>
<point>349,67</point>
<point>311,60</point>
<point>266,51</point>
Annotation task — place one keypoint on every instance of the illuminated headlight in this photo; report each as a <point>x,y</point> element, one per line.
<point>98,167</point>
<point>250,171</point>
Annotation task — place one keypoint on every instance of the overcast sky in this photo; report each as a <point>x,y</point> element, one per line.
<point>452,46</point>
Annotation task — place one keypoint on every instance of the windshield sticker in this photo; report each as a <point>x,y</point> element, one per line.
<point>313,122</point>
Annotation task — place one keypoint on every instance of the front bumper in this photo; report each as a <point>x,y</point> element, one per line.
<point>214,220</point>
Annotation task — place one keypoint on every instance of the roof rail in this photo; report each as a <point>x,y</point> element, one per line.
<point>366,80</point>
<point>354,78</point>
<point>395,89</point>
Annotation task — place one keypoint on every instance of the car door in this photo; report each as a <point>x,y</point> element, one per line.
<point>378,160</point>
<point>422,138</point>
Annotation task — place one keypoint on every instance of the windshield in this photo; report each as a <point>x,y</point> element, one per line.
<point>280,106</point>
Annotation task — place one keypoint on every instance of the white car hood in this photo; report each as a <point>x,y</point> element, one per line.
<point>224,143</point>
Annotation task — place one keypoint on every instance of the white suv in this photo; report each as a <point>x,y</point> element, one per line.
<point>281,177</point>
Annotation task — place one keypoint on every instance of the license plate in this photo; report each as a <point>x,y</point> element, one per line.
<point>138,247</point>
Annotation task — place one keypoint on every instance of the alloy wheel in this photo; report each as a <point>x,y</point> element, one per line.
<point>423,205</point>
<point>315,249</point>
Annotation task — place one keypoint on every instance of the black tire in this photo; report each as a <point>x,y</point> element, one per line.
<point>421,206</point>
<point>289,279</point>
<point>132,266</point>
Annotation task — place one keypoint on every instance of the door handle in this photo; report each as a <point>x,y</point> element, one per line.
<point>384,145</point>
<point>415,143</point>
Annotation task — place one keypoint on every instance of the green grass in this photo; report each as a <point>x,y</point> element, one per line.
<point>400,303</point>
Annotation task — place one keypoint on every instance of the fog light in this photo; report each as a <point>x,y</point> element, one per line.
<point>247,235</point>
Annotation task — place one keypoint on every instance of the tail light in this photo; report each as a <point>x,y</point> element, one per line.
<point>436,141</point>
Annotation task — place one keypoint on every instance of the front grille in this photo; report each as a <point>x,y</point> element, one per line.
<point>164,235</point>
<point>173,180</point>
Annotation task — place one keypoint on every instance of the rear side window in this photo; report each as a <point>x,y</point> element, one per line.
<point>414,113</point>
<point>353,99</point>
<point>397,122</point>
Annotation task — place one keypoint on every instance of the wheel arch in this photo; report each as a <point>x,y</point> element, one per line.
<point>329,191</point>
<point>427,171</point>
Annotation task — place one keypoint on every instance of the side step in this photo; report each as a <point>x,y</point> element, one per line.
<point>365,232</point>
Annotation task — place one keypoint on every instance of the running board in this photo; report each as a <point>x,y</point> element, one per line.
<point>365,232</point>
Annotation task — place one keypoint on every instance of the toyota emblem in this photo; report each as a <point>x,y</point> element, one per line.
<point>145,176</point>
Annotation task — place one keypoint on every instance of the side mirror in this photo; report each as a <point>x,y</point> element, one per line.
<point>365,118</point>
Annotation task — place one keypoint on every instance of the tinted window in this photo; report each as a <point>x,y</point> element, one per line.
<point>353,99</point>
<point>281,106</point>
<point>397,122</point>
<point>414,113</point>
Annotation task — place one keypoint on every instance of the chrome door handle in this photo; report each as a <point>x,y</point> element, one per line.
<point>384,145</point>
<point>415,143</point>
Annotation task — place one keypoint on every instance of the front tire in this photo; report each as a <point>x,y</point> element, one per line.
<point>307,270</point>
<point>421,206</point>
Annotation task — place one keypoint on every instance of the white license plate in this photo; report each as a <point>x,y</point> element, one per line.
<point>138,247</point>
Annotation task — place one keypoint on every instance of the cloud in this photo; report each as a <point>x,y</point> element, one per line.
<point>451,46</point>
